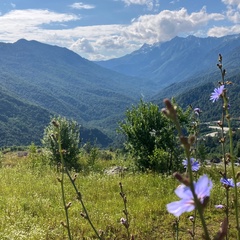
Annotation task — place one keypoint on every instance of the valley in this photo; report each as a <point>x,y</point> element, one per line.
<point>56,81</point>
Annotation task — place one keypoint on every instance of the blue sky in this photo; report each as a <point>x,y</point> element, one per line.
<point>103,29</point>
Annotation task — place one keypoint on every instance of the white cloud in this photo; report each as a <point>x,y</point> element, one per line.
<point>80,5</point>
<point>168,24</point>
<point>223,31</point>
<point>32,17</point>
<point>103,41</point>
<point>29,23</point>
<point>122,39</point>
<point>233,15</point>
<point>233,10</point>
<point>82,45</point>
<point>232,2</point>
<point>149,3</point>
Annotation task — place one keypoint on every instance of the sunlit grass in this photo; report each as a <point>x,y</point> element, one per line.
<point>31,204</point>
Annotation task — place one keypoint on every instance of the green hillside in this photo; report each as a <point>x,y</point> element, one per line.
<point>63,83</point>
<point>199,97</point>
<point>20,123</point>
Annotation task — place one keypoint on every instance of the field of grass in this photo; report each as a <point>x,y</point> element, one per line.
<point>31,204</point>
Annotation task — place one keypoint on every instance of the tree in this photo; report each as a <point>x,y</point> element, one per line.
<point>69,137</point>
<point>149,135</point>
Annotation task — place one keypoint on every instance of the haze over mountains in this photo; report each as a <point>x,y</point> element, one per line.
<point>40,80</point>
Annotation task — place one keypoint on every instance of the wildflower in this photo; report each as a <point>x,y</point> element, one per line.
<point>219,206</point>
<point>191,218</point>
<point>217,93</point>
<point>124,222</point>
<point>197,111</point>
<point>186,204</point>
<point>194,164</point>
<point>229,182</point>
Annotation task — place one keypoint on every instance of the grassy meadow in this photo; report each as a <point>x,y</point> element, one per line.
<point>31,204</point>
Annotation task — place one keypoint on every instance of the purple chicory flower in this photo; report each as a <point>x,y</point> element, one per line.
<point>219,206</point>
<point>195,164</point>
<point>124,222</point>
<point>197,111</point>
<point>229,182</point>
<point>217,93</point>
<point>202,189</point>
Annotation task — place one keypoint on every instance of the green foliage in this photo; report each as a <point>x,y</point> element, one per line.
<point>158,160</point>
<point>93,156</point>
<point>70,137</point>
<point>150,135</point>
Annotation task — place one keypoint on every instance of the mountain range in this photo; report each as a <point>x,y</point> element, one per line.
<point>63,83</point>
<point>39,81</point>
<point>178,60</point>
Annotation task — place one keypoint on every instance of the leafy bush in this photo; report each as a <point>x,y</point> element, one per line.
<point>148,132</point>
<point>69,137</point>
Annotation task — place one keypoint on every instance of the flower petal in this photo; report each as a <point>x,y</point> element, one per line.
<point>179,207</point>
<point>203,187</point>
<point>183,192</point>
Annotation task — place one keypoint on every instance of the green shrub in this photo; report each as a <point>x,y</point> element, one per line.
<point>69,137</point>
<point>147,130</point>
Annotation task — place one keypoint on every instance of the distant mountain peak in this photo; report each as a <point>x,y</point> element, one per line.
<point>175,60</point>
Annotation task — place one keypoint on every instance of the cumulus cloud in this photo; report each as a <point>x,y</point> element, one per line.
<point>233,15</point>
<point>80,5</point>
<point>103,41</point>
<point>82,45</point>
<point>122,39</point>
<point>168,24</point>
<point>232,2</point>
<point>233,10</point>
<point>223,31</point>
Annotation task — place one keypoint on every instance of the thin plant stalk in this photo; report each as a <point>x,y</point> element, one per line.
<point>227,115</point>
<point>225,161</point>
<point>194,224</point>
<point>196,200</point>
<point>125,211</point>
<point>62,186</point>
<point>172,114</point>
<point>177,229</point>
<point>233,168</point>
<point>79,196</point>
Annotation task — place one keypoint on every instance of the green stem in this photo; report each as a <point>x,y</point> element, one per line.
<point>196,200</point>
<point>62,185</point>
<point>125,208</point>
<point>233,170</point>
<point>177,228</point>
<point>225,163</point>
<point>79,197</point>
<point>194,223</point>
